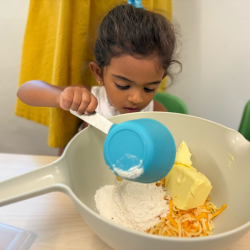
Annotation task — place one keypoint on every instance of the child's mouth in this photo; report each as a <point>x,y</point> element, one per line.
<point>131,110</point>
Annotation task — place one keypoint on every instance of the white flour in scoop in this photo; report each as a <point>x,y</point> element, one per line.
<point>131,173</point>
<point>131,204</point>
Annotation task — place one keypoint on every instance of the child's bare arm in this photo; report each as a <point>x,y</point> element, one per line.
<point>42,94</point>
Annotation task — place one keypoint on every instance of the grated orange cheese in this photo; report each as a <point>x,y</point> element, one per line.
<point>219,211</point>
<point>194,222</point>
<point>172,221</point>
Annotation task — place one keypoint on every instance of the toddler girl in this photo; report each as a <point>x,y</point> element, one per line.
<point>133,50</point>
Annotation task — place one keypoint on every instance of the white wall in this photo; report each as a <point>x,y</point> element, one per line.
<point>17,135</point>
<point>215,55</point>
<point>214,82</point>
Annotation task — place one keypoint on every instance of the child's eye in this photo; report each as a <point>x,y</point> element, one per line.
<point>122,87</point>
<point>149,90</point>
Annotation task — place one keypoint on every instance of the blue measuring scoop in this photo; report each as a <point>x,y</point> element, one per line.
<point>141,150</point>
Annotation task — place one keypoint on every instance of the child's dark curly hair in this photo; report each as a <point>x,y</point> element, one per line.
<point>136,32</point>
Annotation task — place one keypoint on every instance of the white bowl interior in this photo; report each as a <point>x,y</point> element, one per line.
<point>210,145</point>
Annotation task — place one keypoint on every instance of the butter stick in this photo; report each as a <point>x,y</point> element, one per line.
<point>187,187</point>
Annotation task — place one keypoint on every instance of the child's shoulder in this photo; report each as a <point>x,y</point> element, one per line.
<point>98,90</point>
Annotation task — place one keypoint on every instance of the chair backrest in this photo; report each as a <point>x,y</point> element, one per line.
<point>245,122</point>
<point>171,103</point>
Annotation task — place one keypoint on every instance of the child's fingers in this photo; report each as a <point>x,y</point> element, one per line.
<point>76,99</point>
<point>92,105</point>
<point>85,101</point>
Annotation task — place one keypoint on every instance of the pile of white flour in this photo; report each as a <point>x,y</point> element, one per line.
<point>131,204</point>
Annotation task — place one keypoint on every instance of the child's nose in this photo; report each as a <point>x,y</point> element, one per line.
<point>136,97</point>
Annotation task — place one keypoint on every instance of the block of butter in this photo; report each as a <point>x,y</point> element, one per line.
<point>187,187</point>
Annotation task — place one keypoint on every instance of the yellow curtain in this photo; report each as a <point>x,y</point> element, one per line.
<point>58,45</point>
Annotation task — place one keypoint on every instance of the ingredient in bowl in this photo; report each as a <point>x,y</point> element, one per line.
<point>132,204</point>
<point>187,187</point>
<point>194,222</point>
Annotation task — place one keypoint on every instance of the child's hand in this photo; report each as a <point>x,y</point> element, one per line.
<point>78,99</point>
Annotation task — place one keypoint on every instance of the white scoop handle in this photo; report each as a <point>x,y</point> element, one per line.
<point>95,120</point>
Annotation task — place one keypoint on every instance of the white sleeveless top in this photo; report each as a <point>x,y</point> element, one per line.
<point>105,108</point>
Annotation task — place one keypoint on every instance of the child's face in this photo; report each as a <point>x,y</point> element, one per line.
<point>131,83</point>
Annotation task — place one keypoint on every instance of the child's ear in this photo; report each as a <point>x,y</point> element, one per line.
<point>96,71</point>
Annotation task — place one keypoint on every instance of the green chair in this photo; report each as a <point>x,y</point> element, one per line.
<point>171,103</point>
<point>245,122</point>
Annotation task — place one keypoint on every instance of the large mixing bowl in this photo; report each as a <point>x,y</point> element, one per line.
<point>81,171</point>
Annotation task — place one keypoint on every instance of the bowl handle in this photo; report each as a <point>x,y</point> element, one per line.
<point>51,177</point>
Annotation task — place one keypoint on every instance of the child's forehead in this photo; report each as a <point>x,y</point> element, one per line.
<point>134,65</point>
